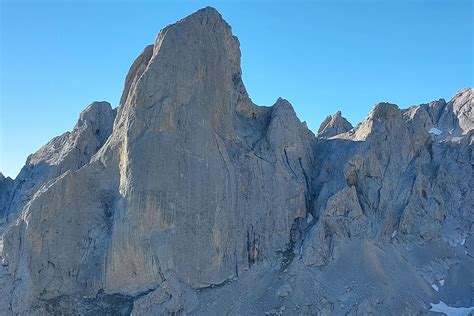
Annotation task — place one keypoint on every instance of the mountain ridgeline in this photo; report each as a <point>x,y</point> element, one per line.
<point>190,199</point>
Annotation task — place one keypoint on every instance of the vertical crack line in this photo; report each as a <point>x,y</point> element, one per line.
<point>309,198</point>
<point>288,162</point>
<point>235,257</point>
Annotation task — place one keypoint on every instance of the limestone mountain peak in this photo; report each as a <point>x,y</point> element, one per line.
<point>334,125</point>
<point>186,194</point>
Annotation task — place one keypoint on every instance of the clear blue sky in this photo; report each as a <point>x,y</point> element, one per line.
<point>323,56</point>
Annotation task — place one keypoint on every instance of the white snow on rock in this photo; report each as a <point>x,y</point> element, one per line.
<point>310,218</point>
<point>441,307</point>
<point>435,287</point>
<point>435,131</point>
<point>456,139</point>
<point>463,242</point>
<point>394,234</point>
<point>441,282</point>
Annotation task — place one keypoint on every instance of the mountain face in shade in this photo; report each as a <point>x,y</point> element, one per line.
<point>190,199</point>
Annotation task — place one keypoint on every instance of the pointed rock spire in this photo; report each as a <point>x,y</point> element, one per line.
<point>334,125</point>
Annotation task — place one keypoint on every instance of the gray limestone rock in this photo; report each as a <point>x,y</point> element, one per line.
<point>334,125</point>
<point>6,188</point>
<point>67,152</point>
<point>190,199</point>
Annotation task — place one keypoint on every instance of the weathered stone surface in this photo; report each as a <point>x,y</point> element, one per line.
<point>193,179</point>
<point>334,125</point>
<point>226,170</point>
<point>6,188</point>
<point>67,152</point>
<point>393,181</point>
<point>189,198</point>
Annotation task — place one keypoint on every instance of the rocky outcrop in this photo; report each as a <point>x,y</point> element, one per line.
<point>192,179</point>
<point>189,198</point>
<point>334,125</point>
<point>447,121</point>
<point>392,181</point>
<point>6,184</point>
<point>67,152</point>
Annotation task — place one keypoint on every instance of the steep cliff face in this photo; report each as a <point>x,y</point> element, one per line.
<point>6,186</point>
<point>189,197</point>
<point>197,162</point>
<point>194,181</point>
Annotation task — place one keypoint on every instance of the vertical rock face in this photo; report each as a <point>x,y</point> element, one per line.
<point>6,185</point>
<point>193,179</point>
<point>189,197</point>
<point>197,159</point>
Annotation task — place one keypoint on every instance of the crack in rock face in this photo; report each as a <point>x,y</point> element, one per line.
<point>188,198</point>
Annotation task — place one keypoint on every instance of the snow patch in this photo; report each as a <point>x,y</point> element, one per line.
<point>441,307</point>
<point>441,282</point>
<point>435,131</point>
<point>394,234</point>
<point>463,242</point>
<point>310,218</point>
<point>435,287</point>
<point>456,139</point>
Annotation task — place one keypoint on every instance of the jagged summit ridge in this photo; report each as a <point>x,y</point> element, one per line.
<point>189,198</point>
<point>334,125</point>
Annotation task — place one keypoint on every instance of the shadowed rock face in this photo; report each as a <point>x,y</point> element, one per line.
<point>189,198</point>
<point>6,185</point>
